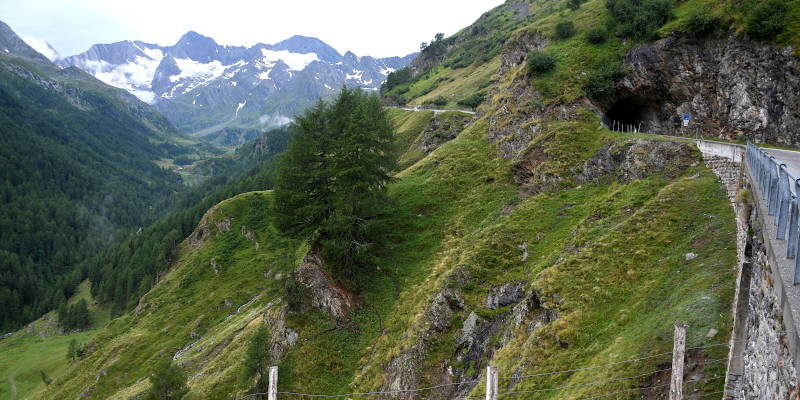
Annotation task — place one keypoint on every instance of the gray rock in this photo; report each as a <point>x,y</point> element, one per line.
<point>734,88</point>
<point>505,295</point>
<point>326,294</point>
<point>690,256</point>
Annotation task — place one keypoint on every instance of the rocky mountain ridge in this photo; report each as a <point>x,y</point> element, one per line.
<point>230,94</point>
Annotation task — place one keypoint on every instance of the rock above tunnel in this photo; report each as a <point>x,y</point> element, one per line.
<point>732,87</point>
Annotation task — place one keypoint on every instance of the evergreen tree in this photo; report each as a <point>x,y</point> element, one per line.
<point>72,351</point>
<point>81,315</point>
<point>332,180</point>
<point>168,382</point>
<point>255,362</point>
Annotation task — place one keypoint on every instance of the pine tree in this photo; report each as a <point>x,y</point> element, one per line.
<point>72,351</point>
<point>332,180</point>
<point>168,381</point>
<point>81,317</point>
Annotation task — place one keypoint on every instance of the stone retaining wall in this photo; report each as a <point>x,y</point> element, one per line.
<point>760,364</point>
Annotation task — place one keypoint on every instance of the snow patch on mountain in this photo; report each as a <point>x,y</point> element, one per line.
<point>295,61</point>
<point>239,108</point>
<point>194,69</point>
<point>264,75</point>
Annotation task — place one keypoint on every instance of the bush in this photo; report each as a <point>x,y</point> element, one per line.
<point>767,19</point>
<point>640,19</point>
<point>596,36</point>
<point>473,101</point>
<point>574,4</point>
<point>601,82</point>
<point>540,62</point>
<point>565,29</point>
<point>167,381</point>
<point>439,101</point>
<point>700,21</point>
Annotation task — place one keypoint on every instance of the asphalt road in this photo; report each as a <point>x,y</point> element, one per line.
<point>788,157</point>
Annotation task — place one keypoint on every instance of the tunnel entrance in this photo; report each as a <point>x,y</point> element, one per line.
<point>627,114</point>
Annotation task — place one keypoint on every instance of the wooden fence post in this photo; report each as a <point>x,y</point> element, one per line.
<point>679,346</point>
<point>273,384</point>
<point>491,383</point>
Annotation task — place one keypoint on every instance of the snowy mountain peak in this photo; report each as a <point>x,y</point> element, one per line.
<point>203,86</point>
<point>304,44</point>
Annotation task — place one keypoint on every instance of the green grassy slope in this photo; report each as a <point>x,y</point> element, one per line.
<point>607,250</point>
<point>606,259</point>
<point>40,347</point>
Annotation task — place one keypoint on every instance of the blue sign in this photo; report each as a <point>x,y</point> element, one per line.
<point>686,117</point>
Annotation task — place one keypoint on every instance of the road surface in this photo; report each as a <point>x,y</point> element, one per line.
<point>788,157</point>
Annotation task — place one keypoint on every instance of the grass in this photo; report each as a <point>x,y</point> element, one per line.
<point>41,348</point>
<point>596,251</point>
<point>607,259</point>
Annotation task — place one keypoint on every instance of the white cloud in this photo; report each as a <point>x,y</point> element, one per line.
<point>41,46</point>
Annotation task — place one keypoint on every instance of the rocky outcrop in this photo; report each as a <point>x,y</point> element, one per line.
<point>734,88</point>
<point>442,129</point>
<point>624,162</point>
<point>477,338</point>
<point>326,293</point>
<point>516,105</point>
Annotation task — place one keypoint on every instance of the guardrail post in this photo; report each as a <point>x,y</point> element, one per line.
<point>785,194</point>
<point>273,384</point>
<point>491,383</point>
<point>794,213</point>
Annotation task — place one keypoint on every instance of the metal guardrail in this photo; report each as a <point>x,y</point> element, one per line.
<point>779,189</point>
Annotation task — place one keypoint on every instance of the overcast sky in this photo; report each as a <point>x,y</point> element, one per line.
<point>367,27</point>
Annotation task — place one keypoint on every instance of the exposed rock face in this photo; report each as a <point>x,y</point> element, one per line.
<point>507,294</point>
<point>517,109</point>
<point>477,338</point>
<point>734,88</point>
<point>442,129</point>
<point>636,160</point>
<point>325,292</point>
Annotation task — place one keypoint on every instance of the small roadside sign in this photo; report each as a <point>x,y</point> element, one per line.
<point>686,118</point>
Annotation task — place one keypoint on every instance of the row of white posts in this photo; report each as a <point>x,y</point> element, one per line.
<point>675,390</point>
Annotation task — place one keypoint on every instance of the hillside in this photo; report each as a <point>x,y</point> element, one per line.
<point>81,168</point>
<point>592,252</point>
<point>529,236</point>
<point>37,353</point>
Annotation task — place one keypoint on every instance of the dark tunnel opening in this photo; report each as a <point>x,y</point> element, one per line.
<point>626,115</point>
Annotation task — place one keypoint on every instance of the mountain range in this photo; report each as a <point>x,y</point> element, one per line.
<point>230,94</point>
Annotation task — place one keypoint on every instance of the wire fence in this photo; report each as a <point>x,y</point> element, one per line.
<point>510,393</point>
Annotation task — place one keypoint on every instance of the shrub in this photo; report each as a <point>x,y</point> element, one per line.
<point>766,20</point>
<point>473,101</point>
<point>601,82</point>
<point>439,101</point>
<point>640,19</point>
<point>700,21</point>
<point>540,62</point>
<point>565,29</point>
<point>596,36</point>
<point>167,381</point>
<point>574,4</point>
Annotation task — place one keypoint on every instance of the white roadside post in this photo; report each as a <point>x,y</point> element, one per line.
<point>491,383</point>
<point>273,384</point>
